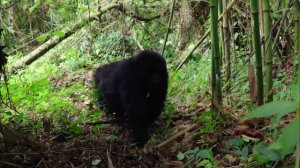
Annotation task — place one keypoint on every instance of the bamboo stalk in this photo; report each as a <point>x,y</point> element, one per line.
<point>215,72</point>
<point>268,50</point>
<point>257,50</point>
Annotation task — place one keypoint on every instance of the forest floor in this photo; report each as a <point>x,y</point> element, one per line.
<point>110,147</point>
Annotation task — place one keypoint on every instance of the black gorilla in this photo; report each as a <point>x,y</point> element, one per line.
<point>134,90</point>
<point>3,59</point>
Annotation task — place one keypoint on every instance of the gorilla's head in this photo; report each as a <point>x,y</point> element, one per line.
<point>151,69</point>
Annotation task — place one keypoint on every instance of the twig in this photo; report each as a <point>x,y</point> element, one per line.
<point>176,136</point>
<point>137,42</point>
<point>11,5</point>
<point>109,161</point>
<point>10,164</point>
<point>225,151</point>
<point>112,121</point>
<point>169,27</point>
<point>20,47</point>
<point>40,162</point>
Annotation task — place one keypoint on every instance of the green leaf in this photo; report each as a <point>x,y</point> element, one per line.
<point>288,140</point>
<point>42,38</point>
<point>273,108</point>
<point>192,151</point>
<point>37,4</point>
<point>39,125</point>
<point>8,113</point>
<point>204,163</point>
<point>268,153</point>
<point>237,142</point>
<point>180,156</point>
<point>58,33</point>
<point>75,129</point>
<point>204,154</point>
<point>296,88</point>
<point>96,162</point>
<point>245,151</point>
<point>205,117</point>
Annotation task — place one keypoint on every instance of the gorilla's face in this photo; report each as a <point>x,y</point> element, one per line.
<point>151,71</point>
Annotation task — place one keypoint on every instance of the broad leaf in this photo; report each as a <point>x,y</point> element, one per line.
<point>289,138</point>
<point>296,89</point>
<point>58,33</point>
<point>204,154</point>
<point>42,38</point>
<point>270,154</point>
<point>180,156</point>
<point>273,108</point>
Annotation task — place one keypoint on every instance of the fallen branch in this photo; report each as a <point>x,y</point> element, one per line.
<point>112,121</point>
<point>51,43</point>
<point>109,161</point>
<point>10,164</point>
<point>176,136</point>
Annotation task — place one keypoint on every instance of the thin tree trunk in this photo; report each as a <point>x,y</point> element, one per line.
<point>257,50</point>
<point>297,35</point>
<point>169,27</point>
<point>51,43</point>
<point>268,49</point>
<point>261,19</point>
<point>281,22</point>
<point>226,45</point>
<point>216,74</point>
<point>221,34</point>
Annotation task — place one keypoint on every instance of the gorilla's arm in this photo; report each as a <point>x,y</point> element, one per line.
<point>136,112</point>
<point>156,103</point>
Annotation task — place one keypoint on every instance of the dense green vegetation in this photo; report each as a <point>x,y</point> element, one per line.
<point>215,114</point>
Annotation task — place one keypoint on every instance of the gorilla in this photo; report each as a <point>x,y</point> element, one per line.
<point>134,91</point>
<point>3,55</point>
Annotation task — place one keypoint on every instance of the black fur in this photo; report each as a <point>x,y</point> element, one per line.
<point>3,59</point>
<point>134,90</point>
